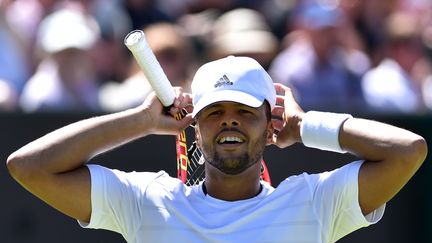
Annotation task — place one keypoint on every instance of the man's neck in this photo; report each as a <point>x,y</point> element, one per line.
<point>233,187</point>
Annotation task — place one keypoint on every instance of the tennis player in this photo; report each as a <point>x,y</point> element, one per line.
<point>233,102</point>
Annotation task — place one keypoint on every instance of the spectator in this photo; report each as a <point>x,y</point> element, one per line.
<point>14,69</point>
<point>323,72</point>
<point>176,56</point>
<point>370,22</point>
<point>427,85</point>
<point>65,78</point>
<point>145,12</point>
<point>109,54</point>
<point>8,96</point>
<point>394,86</point>
<point>243,32</point>
<point>427,92</point>
<point>25,17</point>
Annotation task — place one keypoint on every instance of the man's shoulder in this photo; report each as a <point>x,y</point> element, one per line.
<point>309,182</point>
<point>299,179</point>
<point>132,178</point>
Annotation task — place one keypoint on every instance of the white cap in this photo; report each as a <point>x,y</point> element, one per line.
<point>237,79</point>
<point>67,28</point>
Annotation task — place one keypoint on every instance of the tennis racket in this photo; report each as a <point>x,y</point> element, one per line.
<point>190,162</point>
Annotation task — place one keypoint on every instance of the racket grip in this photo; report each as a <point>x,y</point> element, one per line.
<point>137,44</point>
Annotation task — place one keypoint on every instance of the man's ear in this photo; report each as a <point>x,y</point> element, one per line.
<point>270,132</point>
<point>197,136</point>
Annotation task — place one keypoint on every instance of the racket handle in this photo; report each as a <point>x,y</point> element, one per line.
<point>137,44</point>
<point>144,56</point>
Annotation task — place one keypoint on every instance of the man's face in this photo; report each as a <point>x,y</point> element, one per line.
<point>233,136</point>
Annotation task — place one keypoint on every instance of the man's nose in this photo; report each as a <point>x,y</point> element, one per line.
<point>230,121</point>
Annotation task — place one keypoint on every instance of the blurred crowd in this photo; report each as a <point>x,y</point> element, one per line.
<point>357,56</point>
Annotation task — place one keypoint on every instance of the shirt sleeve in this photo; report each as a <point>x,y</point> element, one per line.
<point>336,201</point>
<point>117,199</point>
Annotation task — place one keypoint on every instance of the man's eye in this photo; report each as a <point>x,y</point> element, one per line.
<point>214,113</point>
<point>245,111</point>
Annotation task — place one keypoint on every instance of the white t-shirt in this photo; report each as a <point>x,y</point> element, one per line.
<point>154,207</point>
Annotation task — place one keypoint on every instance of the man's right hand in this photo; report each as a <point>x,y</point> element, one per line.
<point>159,122</point>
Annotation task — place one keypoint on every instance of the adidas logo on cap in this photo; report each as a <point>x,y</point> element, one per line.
<point>223,81</point>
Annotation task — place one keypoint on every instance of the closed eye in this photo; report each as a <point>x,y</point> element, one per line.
<point>246,112</point>
<point>214,113</point>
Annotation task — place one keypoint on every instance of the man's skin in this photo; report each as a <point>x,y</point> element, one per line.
<point>52,167</point>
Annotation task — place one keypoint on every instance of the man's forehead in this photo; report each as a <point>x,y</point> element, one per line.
<point>227,104</point>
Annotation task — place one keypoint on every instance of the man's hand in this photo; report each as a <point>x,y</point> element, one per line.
<point>287,116</point>
<point>164,123</point>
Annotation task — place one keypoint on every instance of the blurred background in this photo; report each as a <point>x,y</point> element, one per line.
<point>61,61</point>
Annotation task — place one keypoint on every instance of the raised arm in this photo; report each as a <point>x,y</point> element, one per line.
<point>52,167</point>
<point>392,155</point>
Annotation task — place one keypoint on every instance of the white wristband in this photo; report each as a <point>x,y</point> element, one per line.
<point>321,130</point>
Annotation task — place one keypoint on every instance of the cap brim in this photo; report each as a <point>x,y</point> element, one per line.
<point>226,95</point>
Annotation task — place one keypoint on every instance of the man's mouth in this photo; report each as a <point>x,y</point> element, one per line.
<point>230,140</point>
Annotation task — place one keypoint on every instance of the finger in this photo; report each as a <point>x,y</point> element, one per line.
<point>286,91</point>
<point>274,139</point>
<point>178,96</point>
<point>180,101</point>
<point>278,112</point>
<point>183,99</point>
<point>280,100</point>
<point>186,100</point>
<point>174,110</point>
<point>277,141</point>
<point>278,124</point>
<point>182,123</point>
<point>189,108</point>
<point>280,88</point>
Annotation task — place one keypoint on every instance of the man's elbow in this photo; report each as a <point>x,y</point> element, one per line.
<point>418,151</point>
<point>11,164</point>
<point>16,166</point>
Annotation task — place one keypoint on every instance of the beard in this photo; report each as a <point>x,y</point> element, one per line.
<point>233,165</point>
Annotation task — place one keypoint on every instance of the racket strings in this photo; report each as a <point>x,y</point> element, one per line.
<point>195,170</point>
